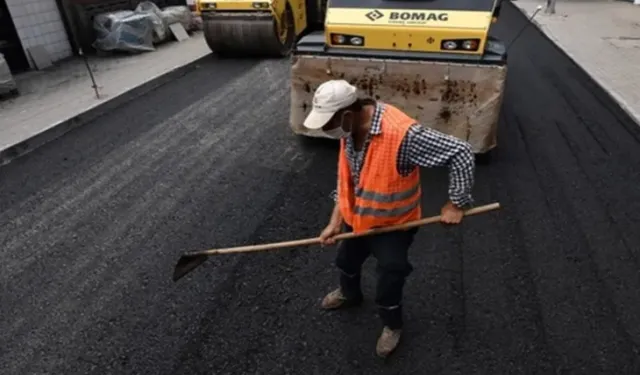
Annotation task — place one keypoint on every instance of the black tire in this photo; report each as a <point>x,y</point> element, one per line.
<point>286,46</point>
<point>251,38</point>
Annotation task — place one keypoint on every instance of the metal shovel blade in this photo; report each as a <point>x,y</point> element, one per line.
<point>186,264</point>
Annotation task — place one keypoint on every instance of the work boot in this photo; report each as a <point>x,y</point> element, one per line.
<point>333,300</point>
<point>337,299</point>
<point>388,341</point>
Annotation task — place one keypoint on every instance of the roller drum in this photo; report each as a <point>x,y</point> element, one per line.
<point>247,34</point>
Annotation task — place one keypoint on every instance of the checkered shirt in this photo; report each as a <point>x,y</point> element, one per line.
<point>423,147</point>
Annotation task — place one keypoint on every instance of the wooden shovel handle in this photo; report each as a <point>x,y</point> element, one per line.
<point>342,236</point>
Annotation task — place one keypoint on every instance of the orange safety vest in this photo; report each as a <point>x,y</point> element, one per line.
<point>383,196</point>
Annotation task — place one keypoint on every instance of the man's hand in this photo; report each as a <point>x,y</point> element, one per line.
<point>451,214</point>
<point>326,237</point>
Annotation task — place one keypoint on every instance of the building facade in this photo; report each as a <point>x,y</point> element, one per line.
<point>27,24</point>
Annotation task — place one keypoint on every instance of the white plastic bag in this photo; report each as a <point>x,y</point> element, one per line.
<point>160,27</point>
<point>124,31</point>
<point>178,13</point>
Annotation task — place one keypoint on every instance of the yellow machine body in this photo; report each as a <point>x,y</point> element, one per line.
<point>433,59</point>
<point>419,32</point>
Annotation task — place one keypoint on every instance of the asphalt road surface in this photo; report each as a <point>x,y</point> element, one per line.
<point>93,223</point>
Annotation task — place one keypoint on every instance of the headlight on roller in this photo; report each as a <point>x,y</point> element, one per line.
<point>207,6</point>
<point>347,40</point>
<point>460,44</point>
<point>449,44</point>
<point>261,5</point>
<point>356,40</point>
<point>470,45</point>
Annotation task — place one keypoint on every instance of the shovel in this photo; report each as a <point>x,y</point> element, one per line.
<point>190,261</point>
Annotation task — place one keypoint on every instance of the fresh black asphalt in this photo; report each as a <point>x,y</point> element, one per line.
<point>93,223</point>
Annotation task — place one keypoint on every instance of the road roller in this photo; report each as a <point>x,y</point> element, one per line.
<point>258,28</point>
<point>433,59</point>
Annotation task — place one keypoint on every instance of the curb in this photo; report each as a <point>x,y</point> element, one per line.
<point>602,84</point>
<point>61,128</point>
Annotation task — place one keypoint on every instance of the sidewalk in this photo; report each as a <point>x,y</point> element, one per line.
<point>54,101</point>
<point>603,37</point>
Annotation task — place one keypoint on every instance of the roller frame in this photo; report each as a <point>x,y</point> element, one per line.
<point>313,62</point>
<point>257,30</point>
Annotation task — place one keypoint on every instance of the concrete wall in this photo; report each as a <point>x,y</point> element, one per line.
<point>40,22</point>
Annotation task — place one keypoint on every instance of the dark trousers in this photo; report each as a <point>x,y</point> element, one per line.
<point>391,252</point>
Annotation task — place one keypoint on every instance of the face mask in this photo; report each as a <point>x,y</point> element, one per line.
<point>338,132</point>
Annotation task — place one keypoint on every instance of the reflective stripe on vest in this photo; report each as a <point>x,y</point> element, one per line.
<point>385,197</point>
<point>376,212</point>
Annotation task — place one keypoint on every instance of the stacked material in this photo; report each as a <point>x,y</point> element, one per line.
<point>124,31</point>
<point>140,29</point>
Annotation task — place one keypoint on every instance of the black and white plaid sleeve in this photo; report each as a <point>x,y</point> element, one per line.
<point>429,148</point>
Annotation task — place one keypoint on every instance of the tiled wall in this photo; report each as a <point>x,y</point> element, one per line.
<point>40,22</point>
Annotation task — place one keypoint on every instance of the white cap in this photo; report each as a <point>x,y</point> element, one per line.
<point>329,98</point>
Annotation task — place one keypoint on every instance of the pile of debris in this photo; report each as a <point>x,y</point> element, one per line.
<point>139,30</point>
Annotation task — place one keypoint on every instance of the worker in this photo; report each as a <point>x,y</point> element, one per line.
<point>378,184</point>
